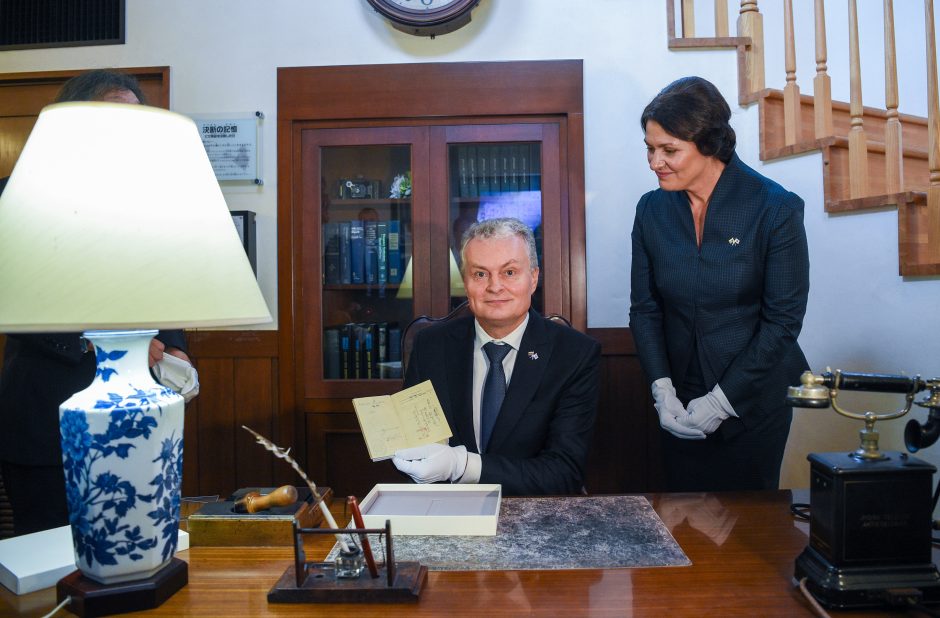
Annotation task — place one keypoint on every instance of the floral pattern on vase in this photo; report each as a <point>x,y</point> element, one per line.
<point>122,450</point>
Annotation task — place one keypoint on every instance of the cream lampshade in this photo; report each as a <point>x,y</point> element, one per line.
<point>113,220</point>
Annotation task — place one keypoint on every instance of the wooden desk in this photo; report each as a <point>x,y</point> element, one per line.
<point>742,547</point>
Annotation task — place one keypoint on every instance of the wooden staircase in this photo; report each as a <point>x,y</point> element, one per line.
<point>918,250</point>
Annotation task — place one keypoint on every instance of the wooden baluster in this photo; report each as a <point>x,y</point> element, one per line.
<point>822,87</point>
<point>791,92</point>
<point>858,145</point>
<point>933,145</point>
<point>751,24</point>
<point>688,19</point>
<point>721,18</point>
<point>894,157</point>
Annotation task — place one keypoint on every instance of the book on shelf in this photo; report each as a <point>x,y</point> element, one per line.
<point>483,173</point>
<point>492,154</point>
<point>513,168</point>
<point>462,171</point>
<point>473,189</point>
<point>524,153</point>
<point>345,263</point>
<point>382,253</point>
<point>535,168</point>
<point>331,256</point>
<point>409,418</point>
<point>394,252</point>
<point>357,252</point>
<point>504,168</point>
<point>394,344</point>
<point>370,232</point>
<point>332,354</point>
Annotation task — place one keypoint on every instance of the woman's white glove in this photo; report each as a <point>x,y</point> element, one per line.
<point>671,412</point>
<point>707,412</point>
<point>432,463</point>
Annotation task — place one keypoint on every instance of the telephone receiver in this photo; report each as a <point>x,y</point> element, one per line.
<point>254,501</point>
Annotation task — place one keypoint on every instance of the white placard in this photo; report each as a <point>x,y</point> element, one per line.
<point>232,144</point>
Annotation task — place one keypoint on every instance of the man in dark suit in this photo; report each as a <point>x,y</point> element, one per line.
<point>523,419</point>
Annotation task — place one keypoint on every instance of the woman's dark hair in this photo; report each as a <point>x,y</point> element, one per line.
<point>95,85</point>
<point>693,110</point>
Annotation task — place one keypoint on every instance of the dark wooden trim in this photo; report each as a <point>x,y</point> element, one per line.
<point>232,343</point>
<point>431,89</point>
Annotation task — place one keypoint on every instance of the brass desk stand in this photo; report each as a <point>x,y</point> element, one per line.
<point>316,582</point>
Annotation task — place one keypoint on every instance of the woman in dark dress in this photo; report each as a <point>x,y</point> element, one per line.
<point>719,284</point>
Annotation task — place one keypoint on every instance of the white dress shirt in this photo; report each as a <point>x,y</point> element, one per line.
<point>481,365</point>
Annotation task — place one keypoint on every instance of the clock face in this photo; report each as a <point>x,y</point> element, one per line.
<point>423,5</point>
<point>425,17</point>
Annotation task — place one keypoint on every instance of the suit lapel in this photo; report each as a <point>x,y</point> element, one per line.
<point>460,383</point>
<point>532,359</point>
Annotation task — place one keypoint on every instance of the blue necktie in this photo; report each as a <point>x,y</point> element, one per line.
<point>494,390</point>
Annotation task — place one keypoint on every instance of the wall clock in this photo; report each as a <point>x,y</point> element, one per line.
<point>425,17</point>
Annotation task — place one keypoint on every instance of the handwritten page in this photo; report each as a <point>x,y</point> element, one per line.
<point>411,417</point>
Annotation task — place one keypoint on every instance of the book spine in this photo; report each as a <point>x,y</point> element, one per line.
<point>535,167</point>
<point>394,343</point>
<point>483,173</point>
<point>332,354</point>
<point>357,252</point>
<point>524,153</point>
<point>331,258</point>
<point>394,252</point>
<point>346,362</point>
<point>463,171</point>
<point>345,263</point>
<point>493,156</point>
<point>382,252</point>
<point>382,331</point>
<point>514,168</point>
<point>504,168</point>
<point>370,230</point>
<point>472,177</point>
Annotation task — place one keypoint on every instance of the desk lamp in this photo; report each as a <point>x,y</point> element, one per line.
<point>870,510</point>
<point>113,222</point>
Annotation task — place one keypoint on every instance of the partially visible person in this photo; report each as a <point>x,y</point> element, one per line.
<point>719,284</point>
<point>525,418</point>
<point>42,370</point>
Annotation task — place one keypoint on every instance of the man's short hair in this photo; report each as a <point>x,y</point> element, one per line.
<point>96,84</point>
<point>503,227</point>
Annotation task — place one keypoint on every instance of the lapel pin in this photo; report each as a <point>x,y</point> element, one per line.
<point>533,356</point>
<point>734,242</point>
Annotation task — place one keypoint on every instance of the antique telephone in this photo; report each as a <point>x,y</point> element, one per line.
<point>870,510</point>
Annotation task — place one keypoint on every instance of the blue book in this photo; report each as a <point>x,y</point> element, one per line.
<point>331,260</point>
<point>345,265</point>
<point>332,354</point>
<point>382,252</point>
<point>371,229</point>
<point>393,259</point>
<point>394,343</point>
<point>357,252</point>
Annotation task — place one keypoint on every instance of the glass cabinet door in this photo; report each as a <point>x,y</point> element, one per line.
<point>359,237</point>
<point>488,180</point>
<point>366,245</point>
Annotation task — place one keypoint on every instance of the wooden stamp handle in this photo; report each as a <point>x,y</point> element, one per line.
<point>253,502</point>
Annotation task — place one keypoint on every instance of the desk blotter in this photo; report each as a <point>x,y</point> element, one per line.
<point>217,524</point>
<point>584,532</point>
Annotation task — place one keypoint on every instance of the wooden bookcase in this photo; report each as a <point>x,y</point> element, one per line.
<point>367,124</point>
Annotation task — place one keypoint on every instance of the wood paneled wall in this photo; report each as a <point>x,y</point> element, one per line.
<point>238,373</point>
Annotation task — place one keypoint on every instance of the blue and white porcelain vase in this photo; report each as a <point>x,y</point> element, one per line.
<point>122,448</point>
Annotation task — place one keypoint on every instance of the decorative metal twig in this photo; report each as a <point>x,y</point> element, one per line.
<point>284,453</point>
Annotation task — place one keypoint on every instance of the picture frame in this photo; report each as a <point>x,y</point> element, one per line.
<point>244,221</point>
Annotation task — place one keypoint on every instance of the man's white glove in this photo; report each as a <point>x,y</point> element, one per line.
<point>432,463</point>
<point>177,374</point>
<point>707,412</point>
<point>671,412</point>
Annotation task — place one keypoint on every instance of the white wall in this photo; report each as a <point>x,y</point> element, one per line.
<point>862,316</point>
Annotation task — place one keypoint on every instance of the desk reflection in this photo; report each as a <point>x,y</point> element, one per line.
<point>704,512</point>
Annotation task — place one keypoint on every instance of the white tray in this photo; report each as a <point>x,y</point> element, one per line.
<point>471,510</point>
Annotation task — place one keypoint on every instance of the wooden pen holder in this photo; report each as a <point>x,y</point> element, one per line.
<point>316,582</point>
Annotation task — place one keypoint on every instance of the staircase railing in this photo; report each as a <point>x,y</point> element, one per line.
<point>863,186</point>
